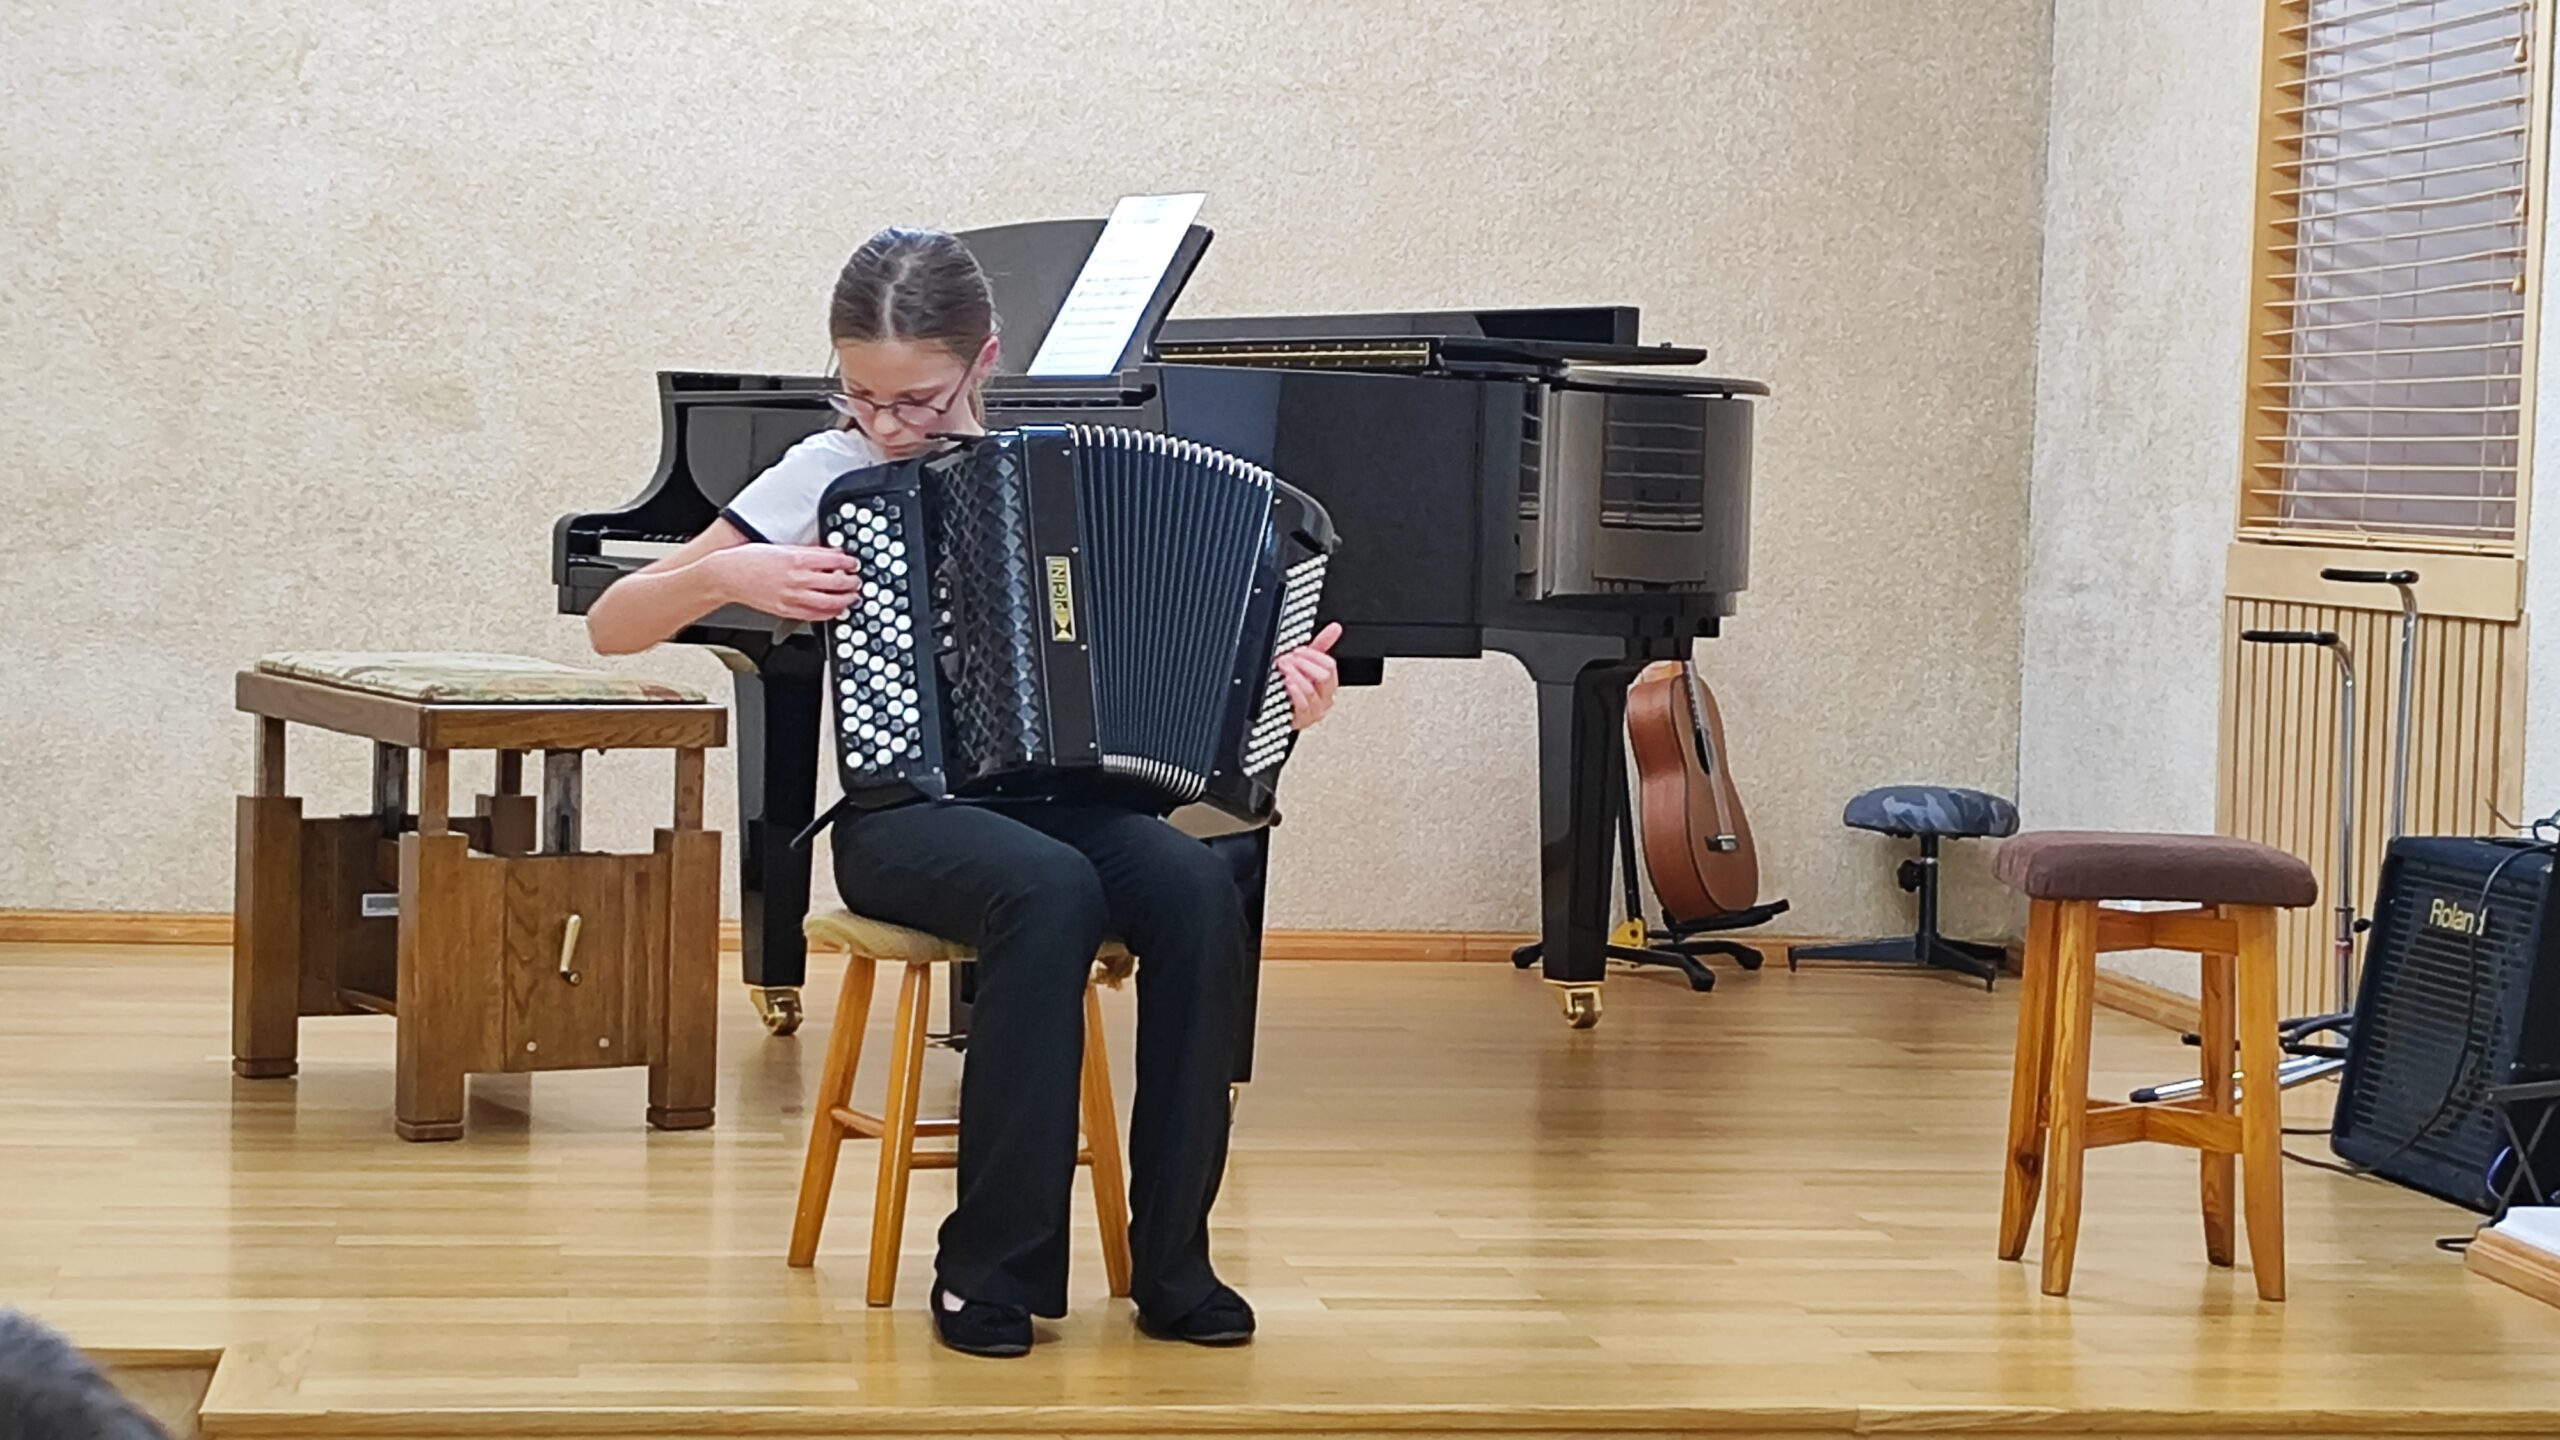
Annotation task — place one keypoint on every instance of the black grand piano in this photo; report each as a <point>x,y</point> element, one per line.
<point>1495,489</point>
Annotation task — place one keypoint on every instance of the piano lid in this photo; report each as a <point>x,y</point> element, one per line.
<point>1602,325</point>
<point>1545,339</point>
<point>1205,345</point>
<point>1031,266</point>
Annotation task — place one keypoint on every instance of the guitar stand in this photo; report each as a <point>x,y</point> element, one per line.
<point>1677,947</point>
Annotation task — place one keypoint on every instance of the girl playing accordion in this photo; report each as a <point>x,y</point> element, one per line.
<point>1033,885</point>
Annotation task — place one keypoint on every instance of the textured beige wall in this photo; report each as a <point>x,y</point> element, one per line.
<point>2146,278</point>
<point>320,315</point>
<point>2542,559</point>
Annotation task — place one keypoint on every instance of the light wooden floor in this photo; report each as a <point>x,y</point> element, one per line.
<point>1766,1210</point>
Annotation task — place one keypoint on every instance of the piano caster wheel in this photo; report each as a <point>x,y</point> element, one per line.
<point>1582,1006</point>
<point>778,1006</point>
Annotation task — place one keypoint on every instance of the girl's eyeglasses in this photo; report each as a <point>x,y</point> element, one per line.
<point>913,414</point>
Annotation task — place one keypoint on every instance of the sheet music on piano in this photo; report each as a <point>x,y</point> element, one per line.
<point>1111,292</point>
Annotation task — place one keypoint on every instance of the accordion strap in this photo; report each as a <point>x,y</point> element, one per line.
<point>825,818</point>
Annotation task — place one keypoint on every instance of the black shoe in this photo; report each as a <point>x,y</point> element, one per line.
<point>1222,1319</point>
<point>978,1328</point>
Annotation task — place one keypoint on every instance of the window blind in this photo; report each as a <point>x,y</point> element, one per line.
<point>2388,395</point>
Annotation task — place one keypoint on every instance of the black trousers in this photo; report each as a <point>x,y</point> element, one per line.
<point>1034,887</point>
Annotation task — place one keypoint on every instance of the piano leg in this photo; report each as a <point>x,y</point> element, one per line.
<point>1582,709</point>
<point>779,710</point>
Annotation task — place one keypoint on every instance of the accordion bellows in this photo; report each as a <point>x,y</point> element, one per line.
<point>1063,599</point>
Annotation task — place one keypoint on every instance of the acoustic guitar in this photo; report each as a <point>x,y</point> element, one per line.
<point>1697,845</point>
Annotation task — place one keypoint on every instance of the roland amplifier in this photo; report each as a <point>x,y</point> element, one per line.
<point>2461,992</point>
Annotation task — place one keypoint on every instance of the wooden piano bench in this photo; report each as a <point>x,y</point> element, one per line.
<point>494,948</point>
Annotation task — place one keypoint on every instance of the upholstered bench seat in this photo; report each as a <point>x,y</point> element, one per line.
<point>2111,865</point>
<point>472,678</point>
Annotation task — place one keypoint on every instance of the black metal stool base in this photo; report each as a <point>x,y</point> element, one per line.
<point>1925,946</point>
<point>1968,957</point>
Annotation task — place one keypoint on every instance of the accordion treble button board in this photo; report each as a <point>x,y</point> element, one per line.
<point>880,661</point>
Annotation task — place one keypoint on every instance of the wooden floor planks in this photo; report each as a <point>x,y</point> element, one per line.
<point>1765,1210</point>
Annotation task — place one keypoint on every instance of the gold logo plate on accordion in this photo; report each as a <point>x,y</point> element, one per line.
<point>1062,599</point>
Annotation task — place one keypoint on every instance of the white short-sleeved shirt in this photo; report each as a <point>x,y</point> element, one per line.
<point>780,506</point>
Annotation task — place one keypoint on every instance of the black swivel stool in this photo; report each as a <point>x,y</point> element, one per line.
<point>1927,813</point>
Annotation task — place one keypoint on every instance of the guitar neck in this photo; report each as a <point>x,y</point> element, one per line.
<point>1709,757</point>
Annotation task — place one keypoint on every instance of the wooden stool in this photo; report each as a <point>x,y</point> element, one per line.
<point>868,944</point>
<point>2233,889</point>
<point>492,954</point>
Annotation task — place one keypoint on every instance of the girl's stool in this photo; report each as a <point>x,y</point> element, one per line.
<point>868,944</point>
<point>2232,889</point>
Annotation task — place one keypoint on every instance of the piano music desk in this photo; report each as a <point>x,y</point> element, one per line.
<point>492,951</point>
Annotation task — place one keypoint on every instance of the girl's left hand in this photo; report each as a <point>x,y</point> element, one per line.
<point>1311,676</point>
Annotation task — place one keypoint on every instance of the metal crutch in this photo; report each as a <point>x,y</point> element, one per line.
<point>2311,1059</point>
<point>2315,1059</point>
<point>2406,582</point>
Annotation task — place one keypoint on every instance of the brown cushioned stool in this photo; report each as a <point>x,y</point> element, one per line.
<point>868,944</point>
<point>2231,890</point>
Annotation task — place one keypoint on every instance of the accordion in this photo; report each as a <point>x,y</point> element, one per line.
<point>1054,603</point>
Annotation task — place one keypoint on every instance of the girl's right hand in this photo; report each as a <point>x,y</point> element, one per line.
<point>798,582</point>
